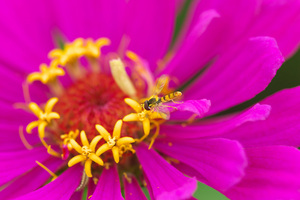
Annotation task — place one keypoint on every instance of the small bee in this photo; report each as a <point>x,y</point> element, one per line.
<point>155,103</point>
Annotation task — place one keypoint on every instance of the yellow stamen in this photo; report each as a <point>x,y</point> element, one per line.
<point>93,49</point>
<point>155,134</point>
<point>146,117</point>
<point>44,118</point>
<point>69,57</point>
<point>133,104</point>
<point>87,153</point>
<point>121,77</point>
<point>115,143</point>
<point>47,169</point>
<point>70,53</point>
<point>52,152</point>
<point>48,75</point>
<point>23,139</point>
<point>68,137</point>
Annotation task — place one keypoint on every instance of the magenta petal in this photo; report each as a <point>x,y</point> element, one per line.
<point>77,195</point>
<point>16,163</point>
<point>31,180</point>
<point>108,186</point>
<point>223,21</point>
<point>281,127</point>
<point>165,181</point>
<point>26,31</point>
<point>133,190</point>
<point>217,126</point>
<point>281,20</point>
<point>61,188</point>
<point>187,56</point>
<point>150,27</point>
<point>186,108</point>
<point>239,74</point>
<point>91,19</point>
<point>273,173</point>
<point>91,188</point>
<point>220,163</point>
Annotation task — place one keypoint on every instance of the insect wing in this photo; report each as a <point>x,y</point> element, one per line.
<point>160,84</point>
<point>163,111</point>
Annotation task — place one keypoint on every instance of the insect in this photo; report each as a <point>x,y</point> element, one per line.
<point>155,103</point>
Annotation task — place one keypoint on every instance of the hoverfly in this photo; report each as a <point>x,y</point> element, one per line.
<point>155,103</point>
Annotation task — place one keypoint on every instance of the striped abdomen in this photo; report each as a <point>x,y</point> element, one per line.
<point>170,97</point>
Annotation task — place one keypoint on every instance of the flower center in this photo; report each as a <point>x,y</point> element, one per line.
<point>86,151</point>
<point>111,142</point>
<point>94,99</point>
<point>87,117</point>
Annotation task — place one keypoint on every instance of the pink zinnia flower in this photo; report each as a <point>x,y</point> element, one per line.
<point>99,123</point>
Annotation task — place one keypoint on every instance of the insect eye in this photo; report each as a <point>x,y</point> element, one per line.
<point>146,105</point>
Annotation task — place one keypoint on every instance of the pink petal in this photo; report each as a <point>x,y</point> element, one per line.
<point>273,173</point>
<point>77,195</point>
<point>15,163</point>
<point>91,188</point>
<point>281,127</point>
<point>108,186</point>
<point>219,163</point>
<point>223,22</point>
<point>165,182</point>
<point>187,108</point>
<point>26,33</point>
<point>238,75</point>
<point>133,190</point>
<point>11,86</point>
<point>60,189</point>
<point>190,55</point>
<point>217,126</point>
<point>91,19</point>
<point>150,27</point>
<point>10,139</point>
<point>31,180</point>
<point>281,20</point>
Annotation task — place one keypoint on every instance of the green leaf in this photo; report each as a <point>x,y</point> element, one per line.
<point>205,192</point>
